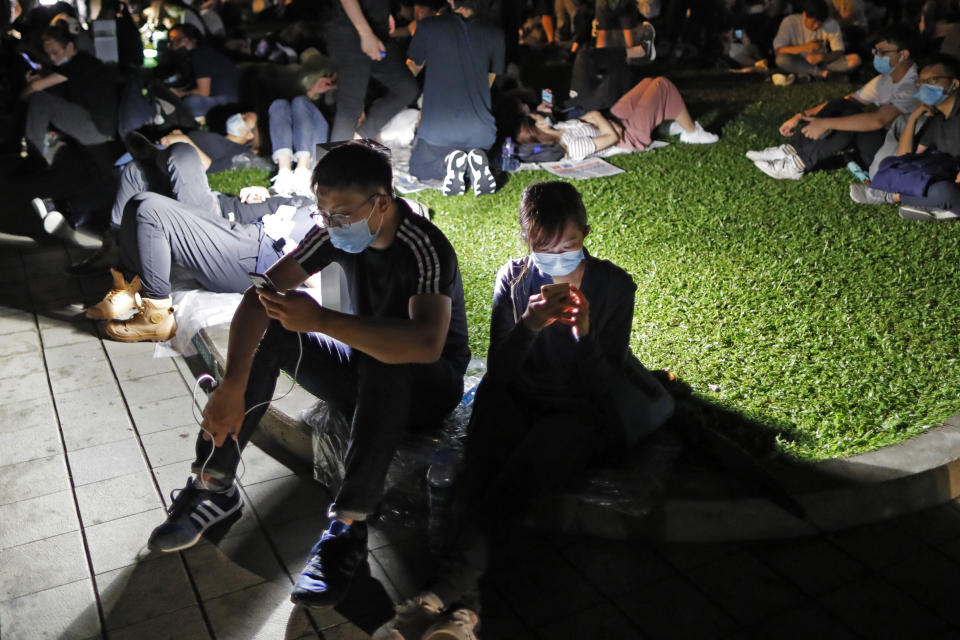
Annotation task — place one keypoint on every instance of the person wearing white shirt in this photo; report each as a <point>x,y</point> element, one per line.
<point>849,123</point>
<point>811,43</point>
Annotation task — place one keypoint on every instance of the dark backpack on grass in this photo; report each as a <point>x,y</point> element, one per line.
<point>545,152</point>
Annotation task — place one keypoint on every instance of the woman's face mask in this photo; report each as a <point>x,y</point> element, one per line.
<point>563,256</point>
<point>558,264</point>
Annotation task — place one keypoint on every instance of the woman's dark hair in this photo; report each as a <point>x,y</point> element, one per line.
<point>357,165</point>
<point>59,32</point>
<point>529,133</point>
<point>545,208</point>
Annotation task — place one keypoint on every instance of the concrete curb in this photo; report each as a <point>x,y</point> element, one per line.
<point>837,494</point>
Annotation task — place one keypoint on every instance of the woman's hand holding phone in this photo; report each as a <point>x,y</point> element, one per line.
<point>554,303</point>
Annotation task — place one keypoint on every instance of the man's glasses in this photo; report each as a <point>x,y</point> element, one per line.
<point>342,219</point>
<point>884,54</point>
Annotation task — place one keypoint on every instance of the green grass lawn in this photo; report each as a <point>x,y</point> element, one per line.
<point>829,322</point>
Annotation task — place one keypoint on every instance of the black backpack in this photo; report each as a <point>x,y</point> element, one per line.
<point>542,152</point>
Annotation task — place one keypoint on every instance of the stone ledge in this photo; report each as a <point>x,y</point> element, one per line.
<point>836,494</point>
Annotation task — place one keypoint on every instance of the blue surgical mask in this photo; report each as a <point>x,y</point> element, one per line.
<point>882,64</point>
<point>353,238</point>
<point>558,264</point>
<point>930,94</point>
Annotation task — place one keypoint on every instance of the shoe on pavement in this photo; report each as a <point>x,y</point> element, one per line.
<point>192,512</point>
<point>699,135</point>
<point>122,301</point>
<point>454,182</point>
<point>411,618</point>
<point>862,194</point>
<point>56,225</point>
<point>104,258</point>
<point>302,176</point>
<point>781,168</point>
<point>333,561</point>
<point>770,153</point>
<point>480,175</point>
<point>284,183</point>
<point>927,215</point>
<point>154,322</point>
<point>459,625</point>
<point>43,206</point>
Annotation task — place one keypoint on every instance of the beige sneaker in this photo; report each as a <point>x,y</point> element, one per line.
<point>122,301</point>
<point>411,619</point>
<point>154,323</point>
<point>458,625</point>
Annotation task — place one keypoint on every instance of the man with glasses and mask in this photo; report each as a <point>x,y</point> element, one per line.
<point>939,83</point>
<point>819,134</point>
<point>395,362</point>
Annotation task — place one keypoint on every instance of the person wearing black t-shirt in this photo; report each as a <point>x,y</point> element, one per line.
<point>78,99</point>
<point>359,45</point>
<point>461,54</point>
<point>216,80</point>
<point>396,361</point>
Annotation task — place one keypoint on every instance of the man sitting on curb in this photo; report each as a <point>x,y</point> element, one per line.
<point>811,43</point>
<point>939,85</point>
<point>398,362</point>
<point>838,125</point>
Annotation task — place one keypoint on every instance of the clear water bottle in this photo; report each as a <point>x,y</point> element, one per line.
<point>508,159</point>
<point>440,477</point>
<point>858,172</point>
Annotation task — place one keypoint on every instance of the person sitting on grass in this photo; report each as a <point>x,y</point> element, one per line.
<point>818,134</point>
<point>559,336</point>
<point>214,79</point>
<point>939,83</point>
<point>296,128</point>
<point>635,116</point>
<point>397,363</point>
<point>461,54</point>
<point>218,239</point>
<point>811,43</point>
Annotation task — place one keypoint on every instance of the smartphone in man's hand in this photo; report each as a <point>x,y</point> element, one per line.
<point>554,291</point>
<point>262,282</point>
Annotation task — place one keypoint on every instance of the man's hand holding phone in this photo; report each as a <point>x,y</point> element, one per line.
<point>296,310</point>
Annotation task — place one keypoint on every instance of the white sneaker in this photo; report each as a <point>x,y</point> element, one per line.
<point>770,153</point>
<point>57,226</point>
<point>781,168</point>
<point>301,182</point>
<point>926,215</point>
<point>284,183</point>
<point>699,135</point>
<point>862,194</point>
<point>675,128</point>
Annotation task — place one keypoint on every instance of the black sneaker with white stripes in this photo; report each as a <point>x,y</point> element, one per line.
<point>193,511</point>
<point>480,175</point>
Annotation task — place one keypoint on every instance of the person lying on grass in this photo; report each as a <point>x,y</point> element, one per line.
<point>635,116</point>
<point>821,133</point>
<point>559,337</point>
<point>939,86</point>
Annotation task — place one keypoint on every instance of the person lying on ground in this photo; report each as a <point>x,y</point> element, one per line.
<point>398,362</point>
<point>217,239</point>
<point>858,121</point>
<point>559,337</point>
<point>635,116</point>
<point>939,83</point>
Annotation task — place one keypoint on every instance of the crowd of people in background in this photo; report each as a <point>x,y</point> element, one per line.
<point>307,89</point>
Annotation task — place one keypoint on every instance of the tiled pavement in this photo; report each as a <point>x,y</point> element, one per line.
<point>95,434</point>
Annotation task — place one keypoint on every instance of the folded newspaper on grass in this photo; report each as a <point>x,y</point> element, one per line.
<point>581,169</point>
